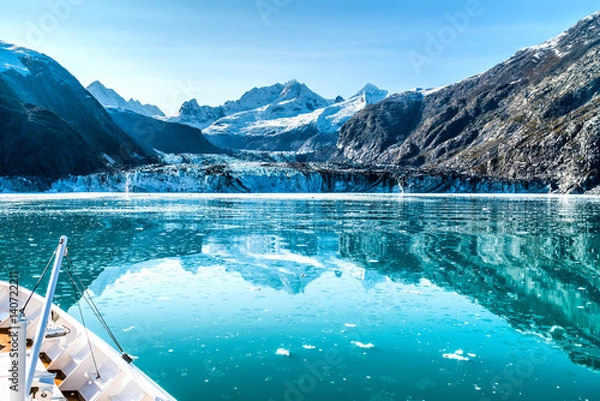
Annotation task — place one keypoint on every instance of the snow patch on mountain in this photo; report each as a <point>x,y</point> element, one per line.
<point>10,58</point>
<point>109,98</point>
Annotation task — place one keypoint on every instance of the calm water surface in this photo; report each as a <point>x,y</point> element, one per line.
<point>373,298</point>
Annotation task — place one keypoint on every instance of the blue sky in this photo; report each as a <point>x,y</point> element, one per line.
<point>166,52</point>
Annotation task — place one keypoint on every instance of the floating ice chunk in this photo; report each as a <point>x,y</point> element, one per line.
<point>472,355</point>
<point>255,289</point>
<point>129,329</point>
<point>282,351</point>
<point>308,346</point>
<point>425,283</point>
<point>362,345</point>
<point>351,325</point>
<point>457,355</point>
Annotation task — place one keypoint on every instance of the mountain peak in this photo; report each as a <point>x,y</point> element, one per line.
<point>97,84</point>
<point>369,88</point>
<point>193,103</point>
<point>584,32</point>
<point>110,98</point>
<point>292,89</point>
<point>372,94</point>
<point>291,82</point>
<point>592,16</point>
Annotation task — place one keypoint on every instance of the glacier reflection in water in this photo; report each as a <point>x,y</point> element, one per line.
<point>350,298</point>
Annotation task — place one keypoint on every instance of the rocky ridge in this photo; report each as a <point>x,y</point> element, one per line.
<point>533,118</point>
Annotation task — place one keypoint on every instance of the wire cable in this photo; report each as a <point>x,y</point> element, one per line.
<point>83,293</point>
<point>38,283</point>
<point>87,334</point>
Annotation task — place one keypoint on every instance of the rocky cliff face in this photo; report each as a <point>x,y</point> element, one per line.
<point>50,126</point>
<point>534,118</point>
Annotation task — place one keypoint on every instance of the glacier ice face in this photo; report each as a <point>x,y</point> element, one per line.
<point>259,173</point>
<point>226,174</point>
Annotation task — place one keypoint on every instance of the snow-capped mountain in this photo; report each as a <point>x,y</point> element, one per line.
<point>197,116</point>
<point>287,117</point>
<point>304,131</point>
<point>265,103</point>
<point>109,98</point>
<point>50,126</point>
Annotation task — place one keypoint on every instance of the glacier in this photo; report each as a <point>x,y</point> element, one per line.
<point>269,173</point>
<point>226,174</point>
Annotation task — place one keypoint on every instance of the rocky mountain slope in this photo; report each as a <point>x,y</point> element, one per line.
<point>533,118</point>
<point>155,135</point>
<point>50,126</point>
<point>109,98</point>
<point>287,117</point>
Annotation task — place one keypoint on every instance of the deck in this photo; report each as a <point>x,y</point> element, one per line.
<point>5,349</point>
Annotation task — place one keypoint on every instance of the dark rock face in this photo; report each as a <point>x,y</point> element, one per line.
<point>381,125</point>
<point>163,136</point>
<point>50,126</point>
<point>533,118</point>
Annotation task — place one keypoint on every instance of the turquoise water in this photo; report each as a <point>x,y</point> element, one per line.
<point>373,297</point>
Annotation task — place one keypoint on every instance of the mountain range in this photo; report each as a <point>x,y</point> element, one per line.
<point>281,117</point>
<point>532,122</point>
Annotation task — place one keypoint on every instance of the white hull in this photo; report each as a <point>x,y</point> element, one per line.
<point>70,357</point>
